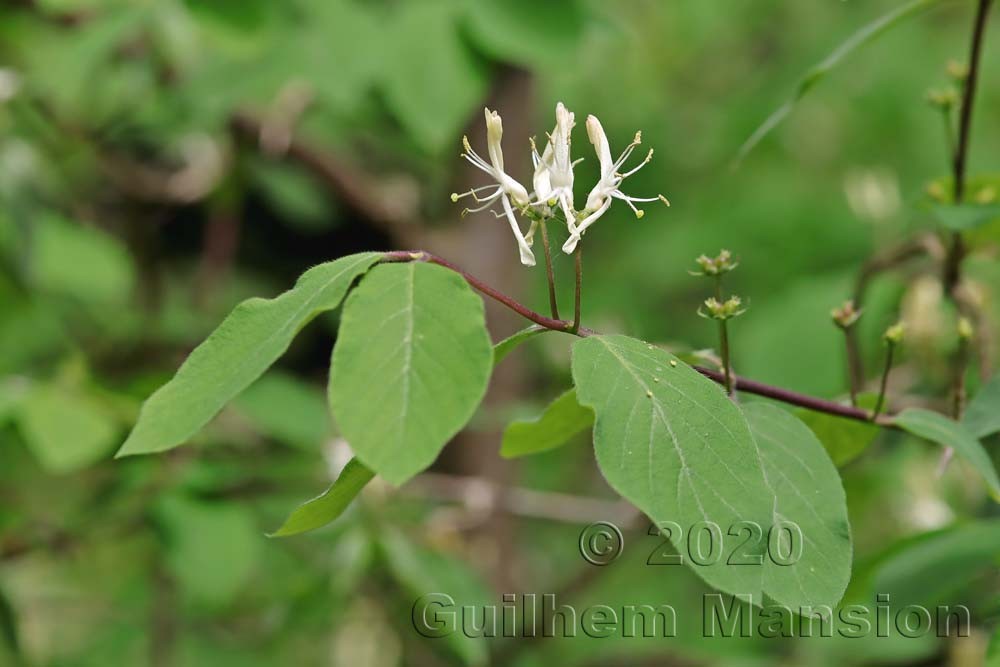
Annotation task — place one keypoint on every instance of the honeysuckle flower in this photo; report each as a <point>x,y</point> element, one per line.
<point>507,189</point>
<point>609,186</point>
<point>553,179</point>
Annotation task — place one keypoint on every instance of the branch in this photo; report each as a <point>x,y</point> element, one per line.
<point>952,266</point>
<point>741,383</point>
<point>352,187</point>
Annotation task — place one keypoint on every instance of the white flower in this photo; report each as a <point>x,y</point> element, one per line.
<point>608,187</point>
<point>553,180</point>
<point>506,188</point>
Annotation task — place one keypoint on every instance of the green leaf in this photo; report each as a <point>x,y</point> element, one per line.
<point>949,433</point>
<point>512,342</point>
<point>66,430</point>
<point>562,420</point>
<point>961,217</point>
<point>810,495</point>
<point>80,262</point>
<point>672,443</point>
<point>844,439</point>
<point>323,509</point>
<point>982,416</point>
<point>212,548</point>
<point>816,74</point>
<point>287,409</point>
<point>936,568</point>
<point>247,342</point>
<point>434,81</point>
<point>411,364</point>
<point>424,572</point>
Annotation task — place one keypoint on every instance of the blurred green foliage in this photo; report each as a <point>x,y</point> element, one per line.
<point>135,211</point>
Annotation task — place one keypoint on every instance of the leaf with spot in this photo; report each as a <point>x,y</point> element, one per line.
<point>672,443</point>
<point>410,366</point>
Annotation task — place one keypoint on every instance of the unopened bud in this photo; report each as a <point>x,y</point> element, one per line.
<point>936,191</point>
<point>957,70</point>
<point>986,195</point>
<point>965,331</point>
<point>942,99</point>
<point>847,315</point>
<point>894,334</point>
<point>722,310</point>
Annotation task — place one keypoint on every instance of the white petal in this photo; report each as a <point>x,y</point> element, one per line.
<point>527,257</point>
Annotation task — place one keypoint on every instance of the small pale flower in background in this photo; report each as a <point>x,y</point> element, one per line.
<point>609,186</point>
<point>507,189</point>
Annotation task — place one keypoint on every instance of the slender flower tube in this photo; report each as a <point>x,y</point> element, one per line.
<point>507,189</point>
<point>609,186</point>
<point>553,179</point>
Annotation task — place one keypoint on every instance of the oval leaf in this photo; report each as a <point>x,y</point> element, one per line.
<point>323,509</point>
<point>671,443</point>
<point>938,428</point>
<point>411,364</point>
<point>810,495</point>
<point>248,341</point>
<point>562,419</point>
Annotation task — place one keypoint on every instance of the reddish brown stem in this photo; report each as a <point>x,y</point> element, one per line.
<point>739,383</point>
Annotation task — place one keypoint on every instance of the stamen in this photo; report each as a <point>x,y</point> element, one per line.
<point>473,193</point>
<point>649,156</point>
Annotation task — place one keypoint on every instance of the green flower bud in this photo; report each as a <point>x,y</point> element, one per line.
<point>965,331</point>
<point>957,70</point>
<point>722,310</point>
<point>943,99</point>
<point>715,266</point>
<point>894,334</point>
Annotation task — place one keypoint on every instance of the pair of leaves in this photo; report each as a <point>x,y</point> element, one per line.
<point>670,441</point>
<point>411,365</point>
